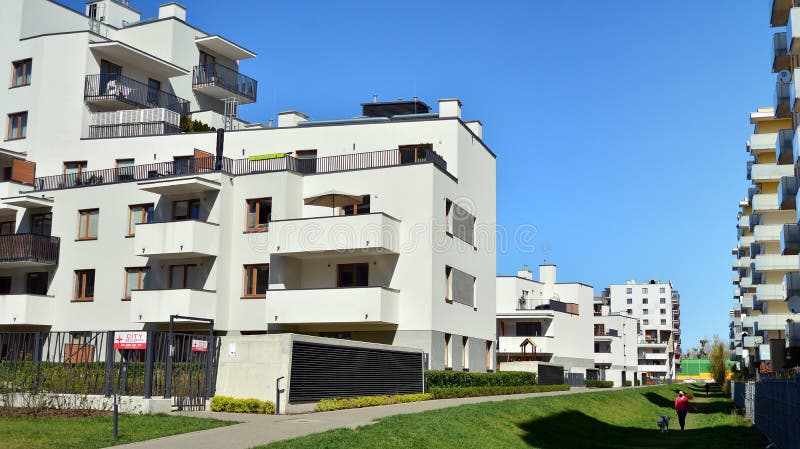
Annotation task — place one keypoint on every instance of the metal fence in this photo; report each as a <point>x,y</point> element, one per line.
<point>29,248</point>
<point>772,405</point>
<point>114,87</point>
<point>173,365</point>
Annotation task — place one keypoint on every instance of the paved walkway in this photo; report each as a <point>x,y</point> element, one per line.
<point>256,430</point>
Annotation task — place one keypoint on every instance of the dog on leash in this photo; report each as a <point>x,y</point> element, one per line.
<point>663,423</point>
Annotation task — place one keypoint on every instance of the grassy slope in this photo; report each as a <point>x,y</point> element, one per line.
<point>89,433</point>
<point>610,420</point>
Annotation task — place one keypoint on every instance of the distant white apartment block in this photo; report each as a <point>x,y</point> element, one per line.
<point>378,228</point>
<point>656,305</point>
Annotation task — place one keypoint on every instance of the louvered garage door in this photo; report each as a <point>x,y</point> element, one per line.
<point>322,371</point>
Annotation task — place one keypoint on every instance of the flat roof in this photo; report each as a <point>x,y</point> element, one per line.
<point>220,45</point>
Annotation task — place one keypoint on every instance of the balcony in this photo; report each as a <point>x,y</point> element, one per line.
<point>221,82</point>
<point>764,142</point>
<point>790,239</point>
<point>774,262</point>
<point>28,250</point>
<point>771,172</point>
<point>779,12</point>
<point>736,277</point>
<point>772,321</point>
<point>744,222</point>
<point>737,292</point>
<point>177,239</point>
<point>787,193</point>
<point>792,335</point>
<point>113,92</point>
<point>747,302</point>
<point>511,345</point>
<point>375,305</point>
<point>752,341</point>
<point>765,202</point>
<point>756,249</point>
<point>746,282</point>
<point>653,356</point>
<point>764,352</point>
<point>156,306</point>
<point>783,99</point>
<point>784,148</point>
<point>26,310</point>
<point>745,241</point>
<point>375,233</point>
<point>767,233</point>
<point>605,358</point>
<point>781,59</point>
<point>791,285</point>
<point>769,292</point>
<point>134,123</point>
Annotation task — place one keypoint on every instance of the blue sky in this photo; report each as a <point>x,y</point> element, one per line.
<point>619,126</point>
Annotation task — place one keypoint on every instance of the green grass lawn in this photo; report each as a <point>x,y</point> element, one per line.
<point>89,433</point>
<point>621,419</point>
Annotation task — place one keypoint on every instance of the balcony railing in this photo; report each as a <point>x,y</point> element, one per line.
<point>782,98</point>
<point>134,123</point>
<point>784,147</point>
<point>216,74</point>
<point>780,52</point>
<point>29,248</point>
<point>787,193</point>
<point>236,167</point>
<point>113,87</point>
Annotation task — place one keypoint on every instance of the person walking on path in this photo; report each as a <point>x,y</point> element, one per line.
<point>708,387</point>
<point>682,407</point>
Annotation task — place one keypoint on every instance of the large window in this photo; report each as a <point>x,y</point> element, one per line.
<point>137,214</point>
<point>256,281</point>
<point>357,209</point>
<point>460,223</point>
<point>84,285</point>
<point>352,275</point>
<point>459,287</point>
<point>529,329</point>
<point>186,210</point>
<point>42,223</point>
<point>22,73</point>
<point>135,279</point>
<point>182,276</point>
<point>36,283</point>
<point>17,125</point>
<point>259,214</point>
<point>87,224</point>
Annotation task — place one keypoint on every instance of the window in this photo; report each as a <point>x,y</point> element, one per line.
<point>84,285</point>
<point>307,161</point>
<point>663,322</point>
<point>6,227</point>
<point>74,167</point>
<point>87,224</point>
<point>646,322</point>
<point>36,283</point>
<point>135,279</point>
<point>17,125</point>
<point>488,356</point>
<point>630,311</point>
<point>529,329</point>
<point>448,363</point>
<point>414,154</point>
<point>256,281</point>
<point>137,214</point>
<point>206,71</point>
<point>662,290</point>
<point>125,168</point>
<point>259,214</point>
<point>644,290</point>
<point>645,311</point>
<point>630,301</point>
<point>663,311</point>
<point>182,276</point>
<point>460,223</point>
<point>186,210</point>
<point>352,275</point>
<point>41,223</point>
<point>465,353</point>
<point>645,301</point>
<point>629,290</point>
<point>22,73</point>
<point>662,300</point>
<point>459,286</point>
<point>357,209</point>
<point>5,285</point>
<point>92,13</point>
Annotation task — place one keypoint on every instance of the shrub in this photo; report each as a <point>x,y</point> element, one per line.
<point>445,379</point>
<point>598,383</point>
<point>628,383</point>
<point>236,405</point>
<point>468,392</point>
<point>188,125</point>
<point>326,405</point>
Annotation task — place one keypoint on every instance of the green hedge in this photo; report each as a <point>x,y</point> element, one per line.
<point>628,383</point>
<point>599,383</point>
<point>468,392</point>
<point>236,405</point>
<point>447,379</point>
<point>326,405</point>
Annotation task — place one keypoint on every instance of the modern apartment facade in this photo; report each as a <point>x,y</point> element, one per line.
<point>656,305</point>
<point>615,343</point>
<point>378,228</point>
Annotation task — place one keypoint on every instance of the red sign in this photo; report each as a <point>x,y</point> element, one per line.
<point>130,340</point>
<point>199,346</point>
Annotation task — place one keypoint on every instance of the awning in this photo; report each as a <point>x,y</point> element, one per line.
<point>223,47</point>
<point>123,54</point>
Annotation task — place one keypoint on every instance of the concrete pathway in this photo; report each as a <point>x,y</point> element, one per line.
<point>256,430</point>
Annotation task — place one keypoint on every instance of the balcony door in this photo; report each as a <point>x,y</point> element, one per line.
<point>41,224</point>
<point>109,78</point>
<point>205,72</point>
<point>352,275</point>
<point>184,276</point>
<point>153,89</point>
<point>307,161</point>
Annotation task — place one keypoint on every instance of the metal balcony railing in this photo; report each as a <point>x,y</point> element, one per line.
<point>216,74</point>
<point>34,248</point>
<point>784,146</point>
<point>106,86</point>
<point>236,167</point>
<point>787,193</point>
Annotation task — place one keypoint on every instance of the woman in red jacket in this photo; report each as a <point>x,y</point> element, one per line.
<point>682,407</point>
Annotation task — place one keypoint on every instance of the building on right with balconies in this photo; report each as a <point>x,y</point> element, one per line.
<point>656,305</point>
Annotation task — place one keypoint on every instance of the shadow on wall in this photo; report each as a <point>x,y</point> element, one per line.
<point>575,430</point>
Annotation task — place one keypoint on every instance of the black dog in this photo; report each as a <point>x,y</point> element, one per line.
<point>663,423</point>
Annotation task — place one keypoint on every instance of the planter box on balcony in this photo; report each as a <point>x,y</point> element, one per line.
<point>156,306</point>
<point>333,305</point>
<point>173,239</point>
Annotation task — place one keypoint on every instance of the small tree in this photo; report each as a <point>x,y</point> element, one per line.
<point>718,357</point>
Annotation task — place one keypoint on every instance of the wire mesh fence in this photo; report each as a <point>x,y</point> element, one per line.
<point>773,406</point>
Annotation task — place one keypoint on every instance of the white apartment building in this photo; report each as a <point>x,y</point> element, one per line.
<point>378,228</point>
<point>552,319</point>
<point>657,307</point>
